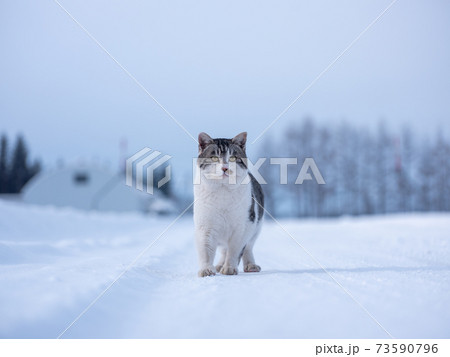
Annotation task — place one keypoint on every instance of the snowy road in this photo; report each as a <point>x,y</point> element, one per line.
<point>54,262</point>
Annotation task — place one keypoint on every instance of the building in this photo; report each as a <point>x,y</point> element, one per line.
<point>91,188</point>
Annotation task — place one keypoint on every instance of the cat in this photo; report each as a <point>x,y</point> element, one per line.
<point>228,206</point>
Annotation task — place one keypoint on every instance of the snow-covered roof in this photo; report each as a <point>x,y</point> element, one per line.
<point>84,188</point>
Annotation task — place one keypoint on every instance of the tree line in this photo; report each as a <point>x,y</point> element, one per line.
<point>366,172</point>
<point>15,166</point>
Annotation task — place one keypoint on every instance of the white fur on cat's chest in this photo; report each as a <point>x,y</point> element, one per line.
<point>223,211</point>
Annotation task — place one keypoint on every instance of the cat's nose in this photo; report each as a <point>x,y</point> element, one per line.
<point>224,169</point>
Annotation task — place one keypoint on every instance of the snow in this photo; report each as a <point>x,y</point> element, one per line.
<point>55,261</point>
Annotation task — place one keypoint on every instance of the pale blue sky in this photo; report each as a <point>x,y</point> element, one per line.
<point>220,67</point>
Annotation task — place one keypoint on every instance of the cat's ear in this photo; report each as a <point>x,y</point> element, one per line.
<point>240,139</point>
<point>203,141</point>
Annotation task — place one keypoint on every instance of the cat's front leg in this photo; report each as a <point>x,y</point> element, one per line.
<point>221,262</point>
<point>249,261</point>
<point>206,247</point>
<point>230,267</point>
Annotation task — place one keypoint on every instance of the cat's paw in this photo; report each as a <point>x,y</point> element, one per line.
<point>252,268</point>
<point>228,270</point>
<point>206,272</point>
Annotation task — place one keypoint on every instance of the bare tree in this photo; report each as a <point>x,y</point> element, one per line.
<point>365,173</point>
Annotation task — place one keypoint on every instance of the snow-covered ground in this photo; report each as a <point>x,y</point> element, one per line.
<point>55,262</point>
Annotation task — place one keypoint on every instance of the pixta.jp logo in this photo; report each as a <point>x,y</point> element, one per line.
<point>146,168</point>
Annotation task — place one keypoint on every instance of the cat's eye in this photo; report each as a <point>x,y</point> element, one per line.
<point>215,158</point>
<point>232,159</point>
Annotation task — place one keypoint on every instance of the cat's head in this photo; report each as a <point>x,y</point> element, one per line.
<point>222,160</point>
